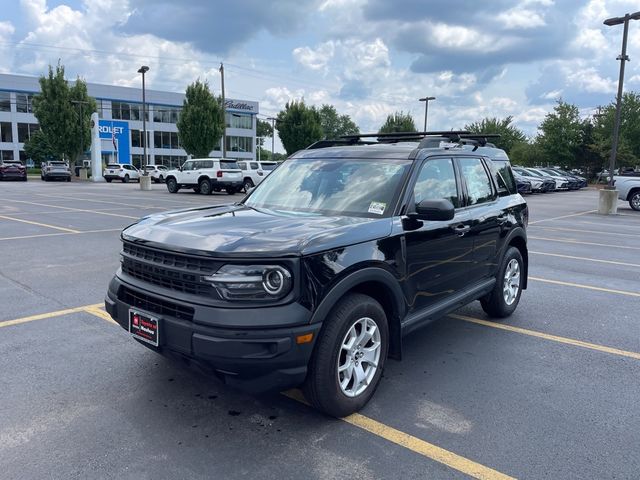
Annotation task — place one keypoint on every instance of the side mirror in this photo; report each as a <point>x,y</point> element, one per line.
<point>438,210</point>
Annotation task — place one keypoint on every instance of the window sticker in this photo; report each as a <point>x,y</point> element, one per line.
<point>377,207</point>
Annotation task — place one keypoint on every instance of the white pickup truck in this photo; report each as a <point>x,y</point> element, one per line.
<point>628,187</point>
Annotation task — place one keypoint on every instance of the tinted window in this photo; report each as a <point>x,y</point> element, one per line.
<point>437,180</point>
<point>478,182</point>
<point>242,165</point>
<point>268,166</point>
<point>188,166</point>
<point>228,164</point>
<point>504,176</point>
<point>113,165</point>
<point>254,165</point>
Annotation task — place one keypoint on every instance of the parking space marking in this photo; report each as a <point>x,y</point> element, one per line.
<point>563,216</point>
<point>72,209</point>
<point>415,444</point>
<point>598,232</point>
<point>577,242</point>
<point>586,259</point>
<point>587,287</point>
<point>547,336</point>
<point>100,313</point>
<point>22,220</point>
<point>103,201</point>
<point>23,237</point>
<point>44,316</point>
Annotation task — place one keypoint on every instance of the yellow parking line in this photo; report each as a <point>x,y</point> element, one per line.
<point>98,312</point>
<point>546,336</point>
<point>68,230</point>
<point>563,216</point>
<point>43,316</point>
<point>624,247</point>
<point>598,232</point>
<point>587,287</point>
<point>22,237</point>
<point>416,445</point>
<point>586,259</point>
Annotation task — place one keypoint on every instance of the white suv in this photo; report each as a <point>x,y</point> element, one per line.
<point>255,172</point>
<point>157,172</point>
<point>206,175</point>
<point>121,171</point>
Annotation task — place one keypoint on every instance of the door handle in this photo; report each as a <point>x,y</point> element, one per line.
<point>461,229</point>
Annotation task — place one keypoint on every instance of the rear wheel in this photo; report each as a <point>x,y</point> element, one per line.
<point>231,191</point>
<point>160,179</point>
<point>126,178</point>
<point>205,186</point>
<point>68,178</point>
<point>248,184</point>
<point>349,356</point>
<point>172,185</point>
<point>634,200</point>
<point>108,180</point>
<point>504,298</point>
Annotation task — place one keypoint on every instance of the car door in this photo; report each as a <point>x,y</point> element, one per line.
<point>486,215</point>
<point>438,253</point>
<point>187,173</point>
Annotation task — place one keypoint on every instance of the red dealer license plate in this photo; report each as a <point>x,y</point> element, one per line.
<point>144,327</point>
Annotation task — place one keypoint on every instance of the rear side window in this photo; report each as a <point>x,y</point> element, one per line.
<point>254,165</point>
<point>227,164</point>
<point>437,180</point>
<point>113,165</point>
<point>479,189</point>
<point>503,176</point>
<point>242,165</point>
<point>268,166</point>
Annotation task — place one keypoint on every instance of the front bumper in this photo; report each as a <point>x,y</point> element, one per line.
<point>253,359</point>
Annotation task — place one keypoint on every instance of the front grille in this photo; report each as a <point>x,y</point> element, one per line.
<point>174,271</point>
<point>154,305</point>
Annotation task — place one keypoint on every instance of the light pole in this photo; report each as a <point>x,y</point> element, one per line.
<point>224,114</point>
<point>273,134</point>
<point>608,200</point>
<point>426,109</point>
<point>145,181</point>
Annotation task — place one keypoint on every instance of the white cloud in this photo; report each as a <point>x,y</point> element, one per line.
<point>590,80</point>
<point>521,18</point>
<point>315,58</point>
<point>457,37</point>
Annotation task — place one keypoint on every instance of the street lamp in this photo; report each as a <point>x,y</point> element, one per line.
<point>426,109</point>
<point>623,57</point>
<point>145,181</point>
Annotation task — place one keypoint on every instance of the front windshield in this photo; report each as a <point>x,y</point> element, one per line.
<point>345,187</point>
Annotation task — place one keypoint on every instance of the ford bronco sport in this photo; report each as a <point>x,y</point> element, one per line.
<point>315,276</point>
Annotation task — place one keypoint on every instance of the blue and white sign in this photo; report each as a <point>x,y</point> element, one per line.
<point>116,132</point>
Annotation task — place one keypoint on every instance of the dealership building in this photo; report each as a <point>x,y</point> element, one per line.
<point>121,132</point>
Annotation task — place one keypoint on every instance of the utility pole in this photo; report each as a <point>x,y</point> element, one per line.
<point>224,114</point>
<point>426,109</point>
<point>273,135</point>
<point>145,181</point>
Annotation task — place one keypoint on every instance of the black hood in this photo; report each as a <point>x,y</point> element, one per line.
<point>236,230</point>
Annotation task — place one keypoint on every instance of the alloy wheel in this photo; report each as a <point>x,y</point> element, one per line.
<point>359,356</point>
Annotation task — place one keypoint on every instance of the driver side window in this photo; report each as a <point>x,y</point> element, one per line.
<point>437,180</point>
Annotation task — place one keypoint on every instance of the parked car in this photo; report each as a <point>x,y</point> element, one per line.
<point>121,171</point>
<point>254,172</point>
<point>572,183</point>
<point>315,276</point>
<point>157,172</point>
<point>581,181</point>
<point>524,186</point>
<point>206,175</point>
<point>12,170</point>
<point>55,170</point>
<point>562,183</point>
<point>538,183</point>
<point>628,187</point>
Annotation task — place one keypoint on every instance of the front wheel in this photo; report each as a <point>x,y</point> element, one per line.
<point>634,200</point>
<point>172,185</point>
<point>505,296</point>
<point>349,356</point>
<point>205,186</point>
<point>126,178</point>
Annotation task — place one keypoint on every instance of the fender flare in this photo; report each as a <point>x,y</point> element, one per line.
<point>520,233</point>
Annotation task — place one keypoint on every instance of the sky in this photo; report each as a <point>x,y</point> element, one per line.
<point>368,58</point>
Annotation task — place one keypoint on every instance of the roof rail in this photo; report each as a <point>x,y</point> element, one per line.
<point>427,139</point>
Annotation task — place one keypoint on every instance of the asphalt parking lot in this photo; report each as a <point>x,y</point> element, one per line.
<point>552,392</point>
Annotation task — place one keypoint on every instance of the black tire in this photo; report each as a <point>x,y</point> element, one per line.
<point>495,304</point>
<point>322,387</point>
<point>24,179</point>
<point>108,180</point>
<point>160,179</point>
<point>231,191</point>
<point>634,200</point>
<point>126,178</point>
<point>68,179</point>
<point>204,185</point>
<point>248,184</point>
<point>172,185</point>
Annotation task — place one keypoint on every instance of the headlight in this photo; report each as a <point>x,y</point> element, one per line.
<point>251,282</point>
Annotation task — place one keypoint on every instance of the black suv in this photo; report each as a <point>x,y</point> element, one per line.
<point>316,275</point>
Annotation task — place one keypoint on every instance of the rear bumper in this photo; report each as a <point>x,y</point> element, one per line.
<point>227,183</point>
<point>13,176</point>
<point>252,359</point>
<point>57,175</point>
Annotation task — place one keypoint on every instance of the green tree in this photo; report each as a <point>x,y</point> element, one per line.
<point>527,154</point>
<point>298,126</point>
<point>588,154</point>
<point>201,120</point>
<point>334,125</point>
<point>629,137</point>
<point>263,129</point>
<point>510,135</point>
<point>561,134</point>
<point>39,149</point>
<point>398,122</point>
<point>58,110</point>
